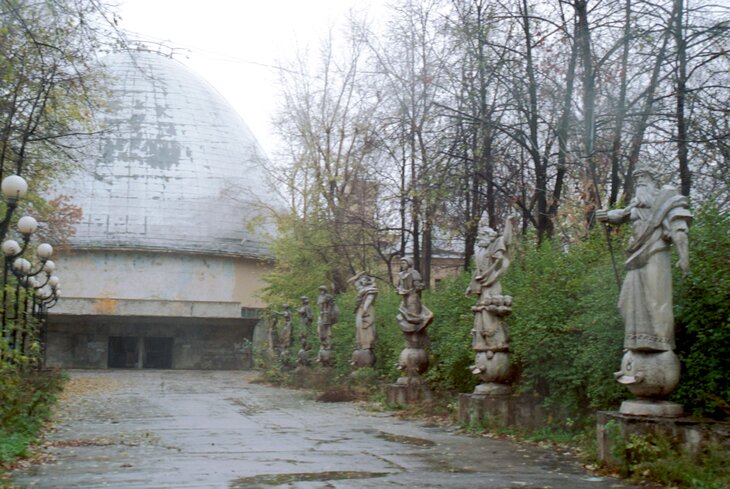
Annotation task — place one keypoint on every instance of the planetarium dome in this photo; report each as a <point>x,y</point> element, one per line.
<point>163,271</point>
<point>175,169</point>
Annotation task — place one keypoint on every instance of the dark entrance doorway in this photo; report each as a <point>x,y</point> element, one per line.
<point>157,352</point>
<point>123,352</point>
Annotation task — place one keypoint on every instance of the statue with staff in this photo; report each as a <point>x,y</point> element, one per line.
<point>659,217</point>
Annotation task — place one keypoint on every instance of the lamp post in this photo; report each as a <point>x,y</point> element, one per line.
<point>23,270</point>
<point>10,249</point>
<point>47,299</point>
<point>13,188</point>
<point>16,329</point>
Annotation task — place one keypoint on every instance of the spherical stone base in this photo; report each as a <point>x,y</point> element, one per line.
<point>413,361</point>
<point>493,367</point>
<point>303,358</point>
<point>326,358</point>
<point>649,374</point>
<point>493,389</point>
<point>363,358</point>
<point>643,407</point>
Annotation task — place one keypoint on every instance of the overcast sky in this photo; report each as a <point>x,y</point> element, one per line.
<point>235,44</point>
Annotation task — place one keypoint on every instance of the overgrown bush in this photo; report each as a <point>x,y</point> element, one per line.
<point>566,333</point>
<point>26,399</point>
<point>659,459</point>
<point>702,315</point>
<point>450,335</point>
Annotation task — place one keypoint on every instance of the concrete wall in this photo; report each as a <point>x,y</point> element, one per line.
<point>688,435</point>
<point>83,341</point>
<point>145,275</point>
<point>194,299</point>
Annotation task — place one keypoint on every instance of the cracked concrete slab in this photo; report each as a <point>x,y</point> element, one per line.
<point>216,429</point>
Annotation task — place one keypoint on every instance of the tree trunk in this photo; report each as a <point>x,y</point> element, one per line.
<point>583,41</point>
<point>563,133</point>
<point>681,80</point>
<point>640,129</point>
<point>620,111</point>
<point>543,220</point>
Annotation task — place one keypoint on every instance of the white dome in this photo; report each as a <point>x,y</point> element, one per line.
<point>176,168</point>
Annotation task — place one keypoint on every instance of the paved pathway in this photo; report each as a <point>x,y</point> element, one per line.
<point>199,429</point>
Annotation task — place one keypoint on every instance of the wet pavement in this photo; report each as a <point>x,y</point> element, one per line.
<point>203,429</point>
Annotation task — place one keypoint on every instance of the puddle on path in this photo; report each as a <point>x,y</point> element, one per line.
<point>405,440</point>
<point>264,480</point>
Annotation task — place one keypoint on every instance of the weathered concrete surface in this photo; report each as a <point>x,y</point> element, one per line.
<point>200,429</point>
<point>691,435</point>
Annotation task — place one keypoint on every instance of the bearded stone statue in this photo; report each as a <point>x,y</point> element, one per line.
<point>650,368</point>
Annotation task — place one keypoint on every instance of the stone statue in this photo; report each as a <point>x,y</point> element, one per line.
<point>285,336</point>
<point>489,336</point>
<point>650,368</point>
<point>273,334</point>
<point>306,317</point>
<point>303,355</point>
<point>328,316</point>
<point>413,318</point>
<point>363,355</point>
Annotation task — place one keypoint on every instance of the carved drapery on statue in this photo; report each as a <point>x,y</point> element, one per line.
<point>650,368</point>
<point>285,337</point>
<point>413,319</point>
<point>328,316</point>
<point>363,355</point>
<point>306,318</point>
<point>490,339</point>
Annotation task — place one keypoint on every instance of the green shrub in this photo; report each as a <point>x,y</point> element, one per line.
<point>657,458</point>
<point>450,335</point>
<point>566,334</point>
<point>26,399</point>
<point>702,315</point>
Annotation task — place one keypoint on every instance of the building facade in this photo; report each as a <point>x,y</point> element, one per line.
<point>166,264</point>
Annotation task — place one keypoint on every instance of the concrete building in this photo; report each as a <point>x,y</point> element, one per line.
<point>163,270</point>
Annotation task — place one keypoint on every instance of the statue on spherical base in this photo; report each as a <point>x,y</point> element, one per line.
<point>650,368</point>
<point>328,316</point>
<point>413,319</point>
<point>490,339</point>
<point>363,355</point>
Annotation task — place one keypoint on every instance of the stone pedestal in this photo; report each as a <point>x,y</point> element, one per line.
<point>493,389</point>
<point>688,434</point>
<point>501,411</point>
<point>405,392</point>
<point>642,407</point>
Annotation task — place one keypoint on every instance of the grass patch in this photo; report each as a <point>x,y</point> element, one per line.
<point>657,458</point>
<point>26,399</point>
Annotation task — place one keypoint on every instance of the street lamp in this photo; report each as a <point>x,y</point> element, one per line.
<point>44,251</point>
<point>13,188</point>
<point>44,295</point>
<point>11,248</point>
<point>27,225</point>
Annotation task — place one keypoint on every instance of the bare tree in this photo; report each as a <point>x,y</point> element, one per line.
<point>48,89</point>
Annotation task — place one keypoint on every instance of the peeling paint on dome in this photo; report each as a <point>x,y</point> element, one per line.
<point>176,168</point>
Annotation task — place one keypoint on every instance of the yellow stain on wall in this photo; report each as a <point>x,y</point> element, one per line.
<point>105,306</point>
